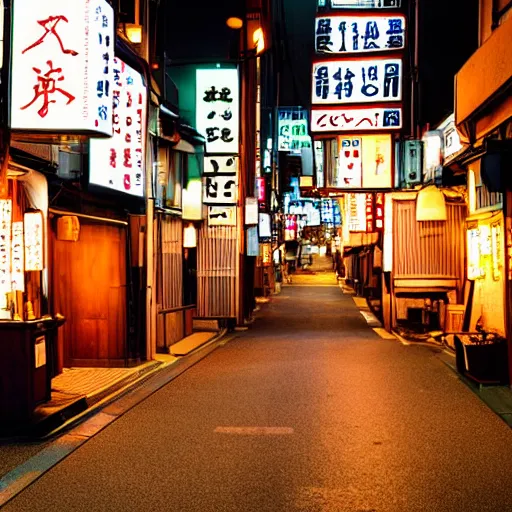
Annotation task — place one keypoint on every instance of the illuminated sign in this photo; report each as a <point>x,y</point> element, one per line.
<point>356,119</point>
<point>221,215</point>
<point>369,213</point>
<point>264,227</point>
<point>356,212</point>
<point>362,4</point>
<point>220,180</point>
<point>62,73</point>
<point>293,129</point>
<point>34,253</point>
<point>359,34</point>
<point>356,81</point>
<point>475,268</point>
<point>18,266</point>
<point>5,250</point>
<point>432,157</point>
<point>379,211</point>
<point>496,251</point>
<point>261,190</point>
<point>118,163</point>
<point>217,109</point>
<point>290,227</point>
<point>364,162</point>
<point>251,210</point>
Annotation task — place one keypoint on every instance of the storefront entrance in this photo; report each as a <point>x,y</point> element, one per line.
<point>89,289</point>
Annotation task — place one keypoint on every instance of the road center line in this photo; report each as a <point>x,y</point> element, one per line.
<point>255,431</point>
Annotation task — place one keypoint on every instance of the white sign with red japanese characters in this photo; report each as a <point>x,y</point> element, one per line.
<point>359,34</point>
<point>356,119</point>
<point>217,109</point>
<point>357,81</point>
<point>5,250</point>
<point>118,163</point>
<point>61,75</point>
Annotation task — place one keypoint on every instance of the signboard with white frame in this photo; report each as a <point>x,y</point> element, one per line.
<point>362,4</point>
<point>356,81</point>
<point>350,119</point>
<point>61,74</point>
<point>118,163</point>
<point>359,34</point>
<point>220,181</point>
<point>217,109</point>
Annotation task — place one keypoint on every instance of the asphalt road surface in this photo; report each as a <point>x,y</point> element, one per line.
<point>309,410</point>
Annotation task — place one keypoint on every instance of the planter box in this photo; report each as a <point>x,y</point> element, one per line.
<point>484,363</point>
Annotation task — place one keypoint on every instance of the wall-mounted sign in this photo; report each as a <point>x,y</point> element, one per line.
<point>356,212</point>
<point>496,251</point>
<point>475,268</point>
<point>253,243</point>
<point>217,109</point>
<point>220,180</point>
<point>364,162</point>
<point>432,157</point>
<point>118,163</point>
<point>221,215</point>
<point>293,129</point>
<point>370,217</point>
<point>61,75</point>
<point>261,190</point>
<point>452,145</point>
<point>18,265</point>
<point>251,211</point>
<point>359,34</point>
<point>379,211</point>
<point>290,227</point>
<point>361,4</point>
<point>34,249</point>
<point>264,226</point>
<point>357,81</point>
<point>5,250</point>
<point>356,119</point>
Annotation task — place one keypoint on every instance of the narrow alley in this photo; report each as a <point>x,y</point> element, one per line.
<point>308,410</point>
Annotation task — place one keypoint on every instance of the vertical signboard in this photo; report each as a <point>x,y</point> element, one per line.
<point>220,180</point>
<point>118,163</point>
<point>217,109</point>
<point>61,74</point>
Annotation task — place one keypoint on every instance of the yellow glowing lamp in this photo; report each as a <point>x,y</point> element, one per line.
<point>430,204</point>
<point>234,23</point>
<point>134,33</point>
<point>190,236</point>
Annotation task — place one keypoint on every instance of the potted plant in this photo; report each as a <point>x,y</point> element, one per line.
<point>482,356</point>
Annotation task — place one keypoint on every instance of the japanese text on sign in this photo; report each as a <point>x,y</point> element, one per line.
<point>34,249</point>
<point>18,265</point>
<point>217,107</point>
<point>355,34</point>
<point>118,163</point>
<point>220,180</point>
<point>355,119</point>
<point>363,4</point>
<point>361,81</point>
<point>61,73</point>
<point>5,250</point>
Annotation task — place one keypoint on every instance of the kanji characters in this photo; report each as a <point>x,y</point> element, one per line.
<point>50,27</point>
<point>46,86</point>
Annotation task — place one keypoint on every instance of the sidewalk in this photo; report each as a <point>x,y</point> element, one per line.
<point>76,391</point>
